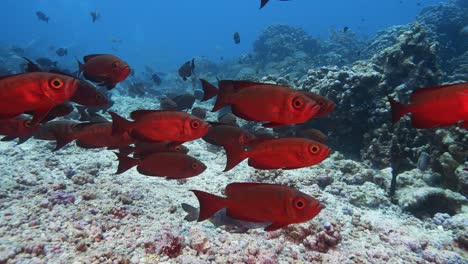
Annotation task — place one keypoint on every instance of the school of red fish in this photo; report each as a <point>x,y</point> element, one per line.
<point>30,101</point>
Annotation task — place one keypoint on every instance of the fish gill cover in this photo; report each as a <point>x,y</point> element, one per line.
<point>260,131</point>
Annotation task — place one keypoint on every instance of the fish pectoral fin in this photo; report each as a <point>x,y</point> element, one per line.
<point>275,226</point>
<point>39,115</point>
<point>8,138</point>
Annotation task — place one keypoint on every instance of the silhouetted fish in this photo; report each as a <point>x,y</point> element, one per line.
<point>187,69</point>
<point>95,15</point>
<point>61,52</point>
<point>41,16</point>
<point>236,37</point>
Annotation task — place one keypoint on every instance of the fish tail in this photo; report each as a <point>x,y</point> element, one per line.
<point>209,90</point>
<point>226,88</point>
<point>398,109</point>
<point>209,204</point>
<point>127,150</point>
<point>80,66</point>
<point>192,212</point>
<point>125,163</point>
<point>235,155</point>
<point>120,125</point>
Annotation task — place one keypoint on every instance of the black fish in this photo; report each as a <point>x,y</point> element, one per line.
<point>184,101</point>
<point>264,2</point>
<point>41,16</point>
<point>46,63</point>
<point>61,52</point>
<point>156,79</point>
<point>95,16</point>
<point>345,29</point>
<point>187,69</point>
<point>236,37</point>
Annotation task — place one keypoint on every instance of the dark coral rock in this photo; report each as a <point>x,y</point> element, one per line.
<point>62,198</point>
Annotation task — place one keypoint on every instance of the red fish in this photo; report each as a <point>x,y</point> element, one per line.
<point>278,153</point>
<point>160,125</point>
<point>105,69</point>
<point>434,107</point>
<point>38,92</point>
<point>171,165</point>
<point>260,202</point>
<point>326,105</point>
<point>277,105</point>
<point>86,94</point>
<point>17,127</point>
<point>144,149</point>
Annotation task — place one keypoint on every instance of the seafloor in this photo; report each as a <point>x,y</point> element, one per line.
<point>69,206</point>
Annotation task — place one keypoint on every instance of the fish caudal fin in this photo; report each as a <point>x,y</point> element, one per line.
<point>192,212</point>
<point>125,163</point>
<point>120,125</point>
<point>209,90</point>
<point>209,204</point>
<point>80,66</point>
<point>235,154</point>
<point>263,3</point>
<point>398,109</point>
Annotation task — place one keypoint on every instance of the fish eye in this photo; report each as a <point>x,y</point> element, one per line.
<point>321,103</point>
<point>195,165</point>
<point>99,96</point>
<point>314,149</point>
<point>27,123</point>
<point>177,148</point>
<point>299,203</point>
<point>297,103</point>
<point>195,124</point>
<point>115,65</point>
<point>56,83</point>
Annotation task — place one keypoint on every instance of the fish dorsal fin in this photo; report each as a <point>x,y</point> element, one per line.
<point>236,187</point>
<point>88,57</point>
<point>263,3</point>
<point>138,114</point>
<point>32,67</point>
<point>418,93</point>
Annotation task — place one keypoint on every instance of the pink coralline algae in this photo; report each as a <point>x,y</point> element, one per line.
<point>328,238</point>
<point>168,243</point>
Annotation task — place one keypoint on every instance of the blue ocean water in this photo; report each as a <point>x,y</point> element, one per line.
<point>163,34</point>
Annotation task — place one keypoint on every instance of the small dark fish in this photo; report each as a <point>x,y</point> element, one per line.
<point>184,101</point>
<point>228,119</point>
<point>167,104</point>
<point>199,112</point>
<point>62,52</point>
<point>172,165</point>
<point>156,79</point>
<point>221,218</point>
<point>47,63</point>
<point>187,69</point>
<point>236,37</point>
<point>61,131</point>
<point>90,116</point>
<point>95,16</point>
<point>264,2</point>
<point>345,29</point>
<point>43,17</point>
<point>423,161</point>
<point>17,127</point>
<point>144,149</point>
<point>19,51</point>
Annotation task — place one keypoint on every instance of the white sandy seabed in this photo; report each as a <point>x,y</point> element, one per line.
<point>70,207</point>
